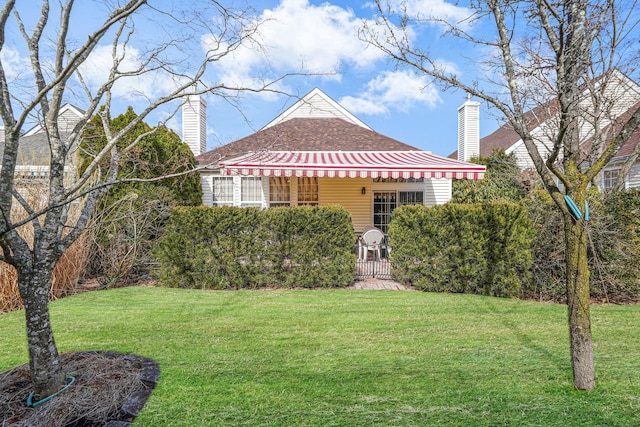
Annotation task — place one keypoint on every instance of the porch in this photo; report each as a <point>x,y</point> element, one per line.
<point>372,253</point>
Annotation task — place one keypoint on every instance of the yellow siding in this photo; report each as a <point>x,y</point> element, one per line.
<point>347,192</point>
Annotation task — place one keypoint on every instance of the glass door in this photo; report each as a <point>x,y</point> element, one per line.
<point>384,202</point>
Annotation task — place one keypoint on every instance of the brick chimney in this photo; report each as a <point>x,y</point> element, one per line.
<point>194,123</point>
<point>468,130</point>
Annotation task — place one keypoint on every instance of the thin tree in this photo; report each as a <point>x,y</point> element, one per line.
<point>561,63</point>
<point>60,66</point>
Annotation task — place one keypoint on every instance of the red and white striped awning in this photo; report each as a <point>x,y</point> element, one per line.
<point>351,164</point>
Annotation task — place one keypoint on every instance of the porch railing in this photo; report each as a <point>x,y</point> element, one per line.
<point>371,266</point>
<point>378,269</point>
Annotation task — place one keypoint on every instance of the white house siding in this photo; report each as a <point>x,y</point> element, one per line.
<point>540,137</point>
<point>624,92</point>
<point>207,188</point>
<point>522,156</point>
<point>633,179</point>
<point>194,119</point>
<point>437,192</point>
<point>67,120</point>
<point>468,130</point>
<point>317,105</point>
<point>347,192</point>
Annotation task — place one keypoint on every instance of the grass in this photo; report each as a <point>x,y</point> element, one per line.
<point>352,358</point>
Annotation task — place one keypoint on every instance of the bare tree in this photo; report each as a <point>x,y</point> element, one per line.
<point>167,47</point>
<point>556,72</point>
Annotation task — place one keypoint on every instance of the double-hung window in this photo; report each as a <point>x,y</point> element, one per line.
<point>250,192</point>
<point>609,178</point>
<point>222,190</point>
<point>410,198</point>
<point>308,190</point>
<point>279,191</point>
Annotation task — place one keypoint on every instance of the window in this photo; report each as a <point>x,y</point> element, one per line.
<point>384,202</point>
<point>609,178</point>
<point>410,198</point>
<point>279,191</point>
<point>250,192</point>
<point>222,190</point>
<point>308,190</point>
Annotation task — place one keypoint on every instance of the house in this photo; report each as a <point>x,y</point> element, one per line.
<point>318,153</point>
<point>33,155</point>
<point>625,94</point>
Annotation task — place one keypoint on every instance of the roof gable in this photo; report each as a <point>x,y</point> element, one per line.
<point>315,105</point>
<point>307,134</point>
<point>68,116</point>
<point>34,147</point>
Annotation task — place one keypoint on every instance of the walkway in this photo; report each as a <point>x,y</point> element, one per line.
<point>379,284</point>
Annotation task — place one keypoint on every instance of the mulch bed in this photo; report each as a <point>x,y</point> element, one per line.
<point>110,389</point>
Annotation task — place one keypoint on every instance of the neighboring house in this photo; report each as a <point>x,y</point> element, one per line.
<point>317,153</point>
<point>33,155</point>
<point>626,94</point>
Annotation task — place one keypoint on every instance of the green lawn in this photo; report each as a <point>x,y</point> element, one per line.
<point>352,358</point>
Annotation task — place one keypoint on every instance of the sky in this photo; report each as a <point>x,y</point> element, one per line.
<point>318,38</point>
<point>399,103</point>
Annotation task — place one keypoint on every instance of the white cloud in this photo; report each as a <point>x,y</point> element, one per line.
<point>393,90</point>
<point>15,66</point>
<point>299,37</point>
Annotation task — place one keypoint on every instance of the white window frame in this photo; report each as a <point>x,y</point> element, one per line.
<point>228,189</point>
<point>383,208</point>
<point>250,197</point>
<point>608,180</point>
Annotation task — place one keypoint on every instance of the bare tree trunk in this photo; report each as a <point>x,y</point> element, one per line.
<point>44,361</point>
<point>578,304</point>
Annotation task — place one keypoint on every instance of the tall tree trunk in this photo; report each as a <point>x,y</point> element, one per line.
<point>578,304</point>
<point>44,361</point>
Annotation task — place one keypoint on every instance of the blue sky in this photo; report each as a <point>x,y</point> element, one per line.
<point>395,102</point>
<point>318,37</point>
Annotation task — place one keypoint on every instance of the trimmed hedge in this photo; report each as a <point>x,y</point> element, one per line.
<point>480,249</point>
<point>234,248</point>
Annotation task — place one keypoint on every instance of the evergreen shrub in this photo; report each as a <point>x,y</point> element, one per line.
<point>239,248</point>
<point>480,249</point>
<point>613,247</point>
<point>131,215</point>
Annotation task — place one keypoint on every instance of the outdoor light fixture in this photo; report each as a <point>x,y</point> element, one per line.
<point>364,190</point>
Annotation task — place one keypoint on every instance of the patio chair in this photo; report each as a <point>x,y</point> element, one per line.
<point>372,240</point>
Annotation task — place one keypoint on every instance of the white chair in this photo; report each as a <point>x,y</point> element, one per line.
<point>372,240</point>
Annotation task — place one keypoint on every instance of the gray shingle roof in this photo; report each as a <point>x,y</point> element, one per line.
<point>307,134</point>
<point>33,151</point>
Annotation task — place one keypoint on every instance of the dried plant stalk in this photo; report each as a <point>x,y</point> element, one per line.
<point>66,273</point>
